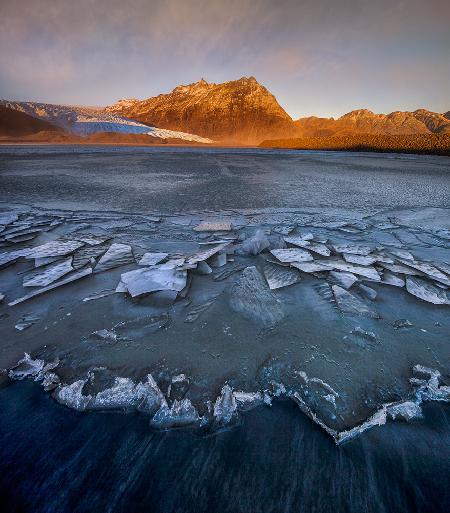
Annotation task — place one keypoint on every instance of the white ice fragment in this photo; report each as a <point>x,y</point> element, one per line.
<point>292,255</point>
<point>391,279</point>
<point>251,297</point>
<point>71,395</point>
<point>247,400</point>
<point>55,248</point>
<point>355,249</point>
<point>350,304</point>
<point>204,254</point>
<point>149,259</point>
<point>256,244</point>
<point>278,276</point>
<point>359,259</point>
<point>152,279</point>
<point>117,255</point>
<point>181,413</point>
<point>48,276</point>
<point>225,407</point>
<point>426,291</point>
<point>407,410</point>
<point>72,277</point>
<point>214,226</point>
<point>344,279</point>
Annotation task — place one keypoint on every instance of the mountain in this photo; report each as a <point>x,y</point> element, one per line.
<point>16,124</point>
<point>240,111</point>
<point>364,121</point>
<point>85,121</point>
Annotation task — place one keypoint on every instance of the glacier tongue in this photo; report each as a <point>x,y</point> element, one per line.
<point>85,121</point>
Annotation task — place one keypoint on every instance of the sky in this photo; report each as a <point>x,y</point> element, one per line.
<point>317,57</point>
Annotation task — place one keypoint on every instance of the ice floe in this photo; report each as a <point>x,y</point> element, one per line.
<point>251,297</point>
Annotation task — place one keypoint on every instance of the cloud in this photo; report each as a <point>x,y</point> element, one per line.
<point>95,51</point>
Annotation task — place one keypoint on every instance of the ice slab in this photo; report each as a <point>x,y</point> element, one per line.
<point>55,248</point>
<point>181,413</point>
<point>344,279</point>
<point>117,255</point>
<point>354,249</point>
<point>350,304</point>
<point>152,279</point>
<point>359,259</point>
<point>251,297</point>
<point>278,276</point>
<point>428,269</point>
<point>214,226</point>
<point>292,255</point>
<point>255,244</point>
<point>204,254</point>
<point>49,275</point>
<point>72,277</point>
<point>225,407</point>
<point>426,291</point>
<point>149,259</point>
<point>391,279</point>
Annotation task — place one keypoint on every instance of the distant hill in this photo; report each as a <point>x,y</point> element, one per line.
<point>241,111</point>
<point>433,144</point>
<point>366,122</point>
<point>16,124</point>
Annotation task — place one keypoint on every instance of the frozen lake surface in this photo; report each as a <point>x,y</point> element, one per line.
<point>192,285</point>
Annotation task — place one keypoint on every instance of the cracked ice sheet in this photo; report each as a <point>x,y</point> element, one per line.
<point>309,336</point>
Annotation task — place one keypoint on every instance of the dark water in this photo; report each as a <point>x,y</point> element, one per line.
<point>277,460</point>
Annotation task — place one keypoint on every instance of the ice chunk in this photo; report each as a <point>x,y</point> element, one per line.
<point>204,254</point>
<point>26,322</point>
<point>426,291</point>
<point>146,280</point>
<point>359,259</point>
<point>28,367</point>
<point>313,267</point>
<point>49,275</point>
<point>71,395</point>
<point>354,249</point>
<point>149,259</point>
<point>153,397</point>
<point>315,247</point>
<point>368,272</point>
<point>214,226</point>
<point>117,255</point>
<point>251,297</point>
<point>278,276</point>
<point>391,279</point>
<point>344,279</point>
<point>350,304</point>
<point>181,413</point>
<point>203,268</point>
<point>218,260</point>
<point>401,323</point>
<point>256,244</point>
<point>50,381</point>
<point>429,270</point>
<point>299,240</point>
<point>225,407</point>
<point>407,410</point>
<point>292,255</point>
<point>367,291</point>
<point>55,248</point>
<point>283,230</point>
<point>248,400</point>
<point>72,277</point>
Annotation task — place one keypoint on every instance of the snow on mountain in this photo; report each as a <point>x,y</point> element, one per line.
<point>86,120</point>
